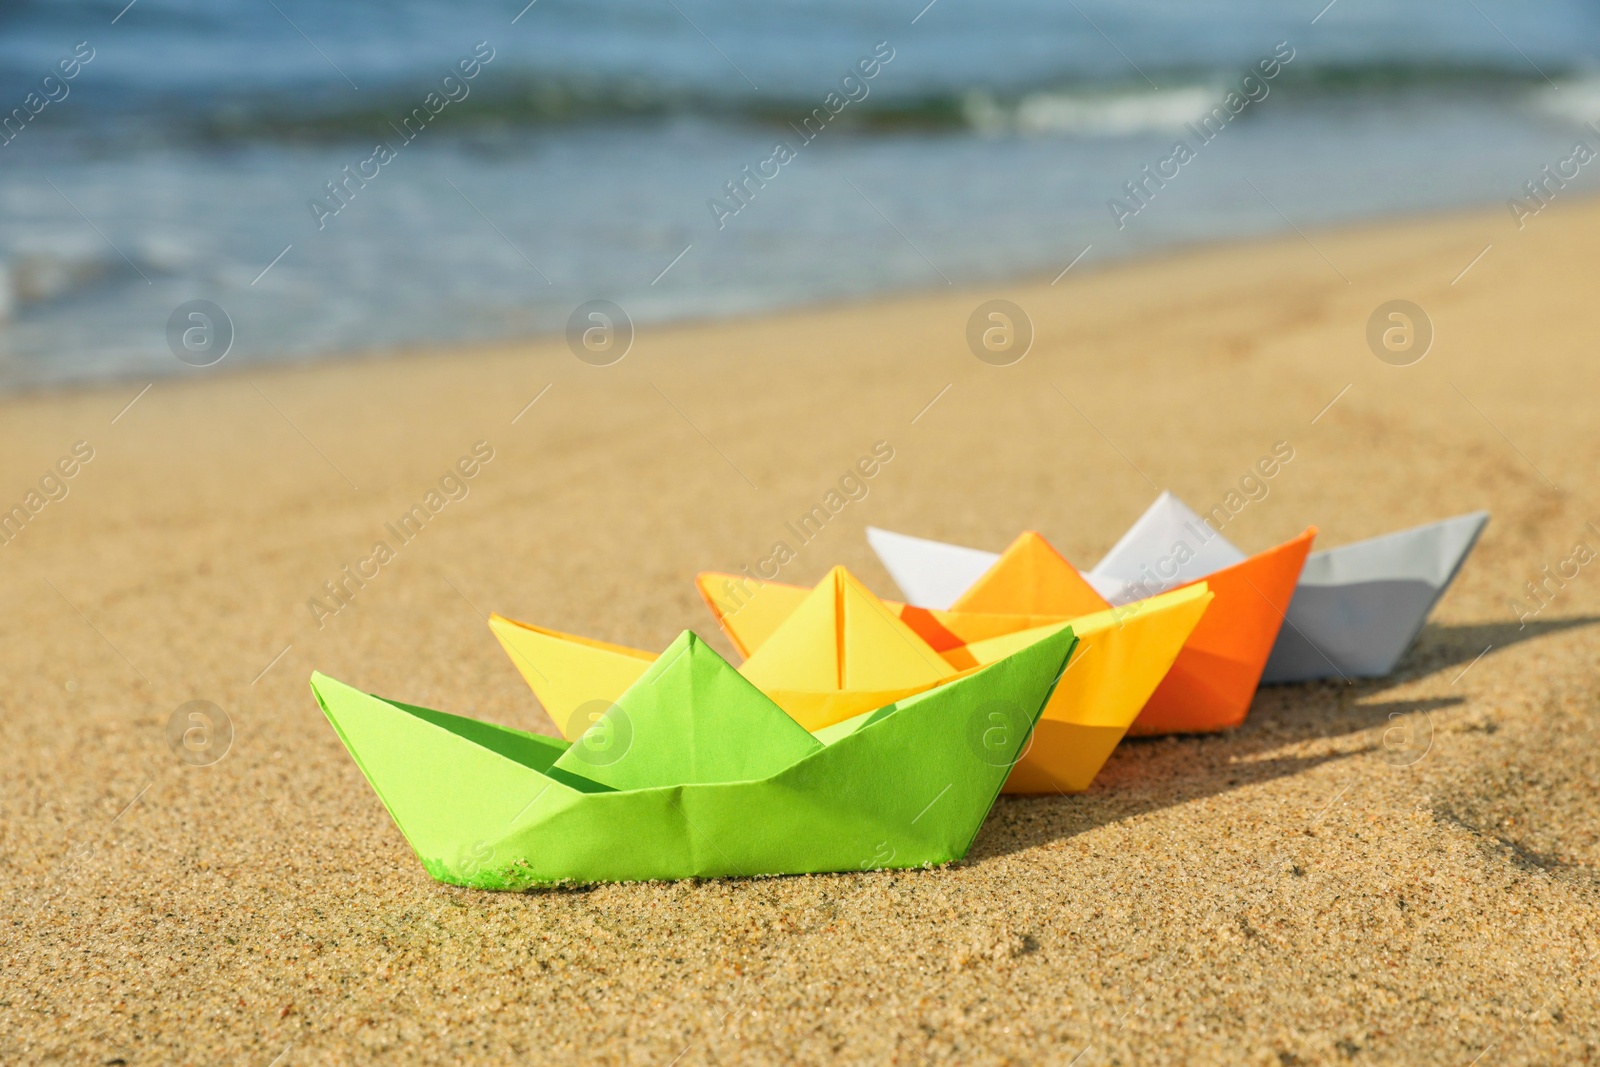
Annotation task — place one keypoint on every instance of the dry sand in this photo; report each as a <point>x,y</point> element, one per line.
<point>1298,891</point>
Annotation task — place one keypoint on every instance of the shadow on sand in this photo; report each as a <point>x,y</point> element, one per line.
<point>1149,774</point>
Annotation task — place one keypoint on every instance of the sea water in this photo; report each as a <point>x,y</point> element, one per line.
<point>332,177</point>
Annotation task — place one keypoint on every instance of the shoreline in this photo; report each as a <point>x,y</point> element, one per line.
<point>1137,259</point>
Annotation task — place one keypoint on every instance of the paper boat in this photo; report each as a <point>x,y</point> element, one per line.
<point>1122,656</point>
<point>1213,679</point>
<point>695,774</point>
<point>840,652</point>
<point>1359,607</point>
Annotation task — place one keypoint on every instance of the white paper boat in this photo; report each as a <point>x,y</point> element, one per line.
<point>1356,608</point>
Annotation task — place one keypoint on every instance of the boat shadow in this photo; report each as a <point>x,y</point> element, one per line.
<point>1149,774</point>
<point>1440,647</point>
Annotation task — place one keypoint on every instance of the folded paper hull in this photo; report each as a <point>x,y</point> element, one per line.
<point>483,805</point>
<point>1122,656</point>
<point>1358,607</point>
<point>1214,678</point>
<point>1358,631</point>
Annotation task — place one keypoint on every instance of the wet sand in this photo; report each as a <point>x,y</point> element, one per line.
<point>1395,871</point>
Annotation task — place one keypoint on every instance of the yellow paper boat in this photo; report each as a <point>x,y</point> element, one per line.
<point>1122,656</point>
<point>838,650</point>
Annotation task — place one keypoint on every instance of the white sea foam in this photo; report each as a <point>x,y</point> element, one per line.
<point>1577,100</point>
<point>1092,113</point>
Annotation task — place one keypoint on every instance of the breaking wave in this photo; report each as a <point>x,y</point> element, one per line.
<point>519,101</point>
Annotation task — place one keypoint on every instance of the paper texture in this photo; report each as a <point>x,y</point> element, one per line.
<point>931,574</point>
<point>842,652</point>
<point>1359,607</point>
<point>569,673</point>
<point>906,786</point>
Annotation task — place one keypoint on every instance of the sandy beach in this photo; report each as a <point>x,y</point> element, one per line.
<point>1394,871</point>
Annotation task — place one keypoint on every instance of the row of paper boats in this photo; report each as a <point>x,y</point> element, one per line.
<point>864,733</point>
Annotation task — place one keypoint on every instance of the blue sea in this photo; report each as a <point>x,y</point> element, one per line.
<point>367,176</point>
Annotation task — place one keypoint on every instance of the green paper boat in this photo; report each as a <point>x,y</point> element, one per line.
<point>694,773</point>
